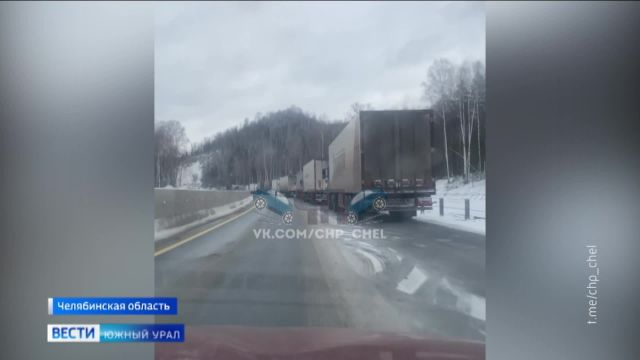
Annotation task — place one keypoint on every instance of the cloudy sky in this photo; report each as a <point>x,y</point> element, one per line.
<point>219,63</point>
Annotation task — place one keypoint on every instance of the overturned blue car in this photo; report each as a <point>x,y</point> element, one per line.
<point>366,202</point>
<point>264,199</point>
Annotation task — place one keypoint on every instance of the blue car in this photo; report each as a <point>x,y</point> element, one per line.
<point>364,202</point>
<point>263,199</point>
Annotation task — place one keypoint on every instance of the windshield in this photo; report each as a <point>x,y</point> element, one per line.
<point>260,221</point>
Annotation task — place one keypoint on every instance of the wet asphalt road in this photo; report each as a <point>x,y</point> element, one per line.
<point>416,278</point>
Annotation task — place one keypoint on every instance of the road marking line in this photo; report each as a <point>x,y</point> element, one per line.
<point>184,241</point>
<point>375,262</point>
<point>413,281</point>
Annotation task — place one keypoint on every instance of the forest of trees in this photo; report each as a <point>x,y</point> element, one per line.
<point>456,93</point>
<point>268,147</point>
<point>279,143</point>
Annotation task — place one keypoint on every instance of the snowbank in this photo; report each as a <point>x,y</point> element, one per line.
<point>454,195</point>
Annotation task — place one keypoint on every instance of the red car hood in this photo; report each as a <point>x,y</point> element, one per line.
<point>232,342</point>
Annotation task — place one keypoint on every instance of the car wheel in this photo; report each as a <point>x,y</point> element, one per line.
<point>260,203</point>
<point>379,203</point>
<point>287,218</point>
<point>352,218</point>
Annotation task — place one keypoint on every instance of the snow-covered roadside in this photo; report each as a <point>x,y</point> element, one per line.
<point>216,213</point>
<point>454,195</point>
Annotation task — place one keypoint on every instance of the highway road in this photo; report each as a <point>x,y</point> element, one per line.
<point>415,278</point>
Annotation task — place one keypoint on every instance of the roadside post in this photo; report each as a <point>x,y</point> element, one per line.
<point>441,202</point>
<point>467,211</point>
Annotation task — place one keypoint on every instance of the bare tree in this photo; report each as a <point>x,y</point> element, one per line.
<point>439,90</point>
<point>463,80</point>
<point>458,91</point>
<point>478,91</point>
<point>170,149</point>
<point>354,110</point>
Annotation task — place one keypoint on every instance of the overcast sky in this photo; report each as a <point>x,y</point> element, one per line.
<point>219,63</point>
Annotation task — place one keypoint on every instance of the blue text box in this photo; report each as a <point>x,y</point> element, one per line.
<point>113,306</point>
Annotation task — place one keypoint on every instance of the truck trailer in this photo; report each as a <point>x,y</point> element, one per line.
<point>387,152</point>
<point>299,186</point>
<point>314,181</point>
<point>287,185</point>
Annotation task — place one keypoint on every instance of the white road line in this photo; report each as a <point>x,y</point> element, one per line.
<point>368,246</point>
<point>375,262</point>
<point>412,282</point>
<point>398,256</point>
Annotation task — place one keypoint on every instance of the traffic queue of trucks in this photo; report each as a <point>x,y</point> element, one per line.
<point>309,184</point>
<point>314,181</point>
<point>381,158</point>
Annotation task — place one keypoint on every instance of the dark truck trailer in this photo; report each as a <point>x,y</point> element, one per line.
<point>388,151</point>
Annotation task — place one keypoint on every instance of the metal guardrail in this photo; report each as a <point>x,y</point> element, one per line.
<point>467,209</point>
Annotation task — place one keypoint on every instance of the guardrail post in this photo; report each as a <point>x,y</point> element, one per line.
<point>441,202</point>
<point>467,212</point>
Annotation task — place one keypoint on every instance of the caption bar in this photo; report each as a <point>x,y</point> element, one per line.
<point>113,306</point>
<point>106,333</point>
